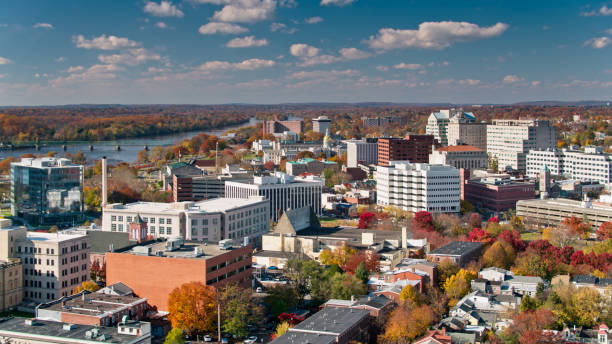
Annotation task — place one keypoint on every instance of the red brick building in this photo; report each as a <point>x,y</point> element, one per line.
<point>496,194</point>
<point>153,271</point>
<point>414,148</point>
<point>278,127</point>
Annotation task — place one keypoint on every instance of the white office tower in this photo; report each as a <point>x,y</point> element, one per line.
<point>417,187</point>
<point>509,140</point>
<point>284,192</point>
<point>592,164</point>
<point>437,125</point>
<point>464,130</point>
<point>365,151</point>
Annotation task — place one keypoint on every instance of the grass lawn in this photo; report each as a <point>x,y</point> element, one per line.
<point>530,236</point>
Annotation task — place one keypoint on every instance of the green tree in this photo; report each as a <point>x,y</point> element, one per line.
<point>238,310</point>
<point>175,336</point>
<point>528,304</point>
<point>343,286</point>
<point>362,273</point>
<point>446,269</point>
<point>281,298</point>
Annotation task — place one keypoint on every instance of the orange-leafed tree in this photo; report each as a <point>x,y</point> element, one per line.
<point>407,323</point>
<point>529,327</point>
<point>193,308</point>
<point>87,285</point>
<point>604,232</point>
<point>576,225</point>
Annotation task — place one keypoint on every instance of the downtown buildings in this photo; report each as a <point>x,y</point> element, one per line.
<point>592,164</point>
<point>464,156</point>
<point>283,191</point>
<point>47,191</point>
<point>509,140</point>
<point>321,124</point>
<point>417,187</point>
<point>361,152</point>
<point>413,148</point>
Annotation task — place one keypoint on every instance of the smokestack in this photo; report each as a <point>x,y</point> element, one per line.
<point>104,182</point>
<point>404,237</point>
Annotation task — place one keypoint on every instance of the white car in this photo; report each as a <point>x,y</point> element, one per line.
<point>251,340</point>
<point>207,338</point>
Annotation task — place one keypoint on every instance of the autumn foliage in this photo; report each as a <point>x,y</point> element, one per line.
<point>422,220</point>
<point>366,219</point>
<point>193,308</point>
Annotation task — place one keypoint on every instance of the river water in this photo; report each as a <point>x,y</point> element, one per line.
<point>129,147</point>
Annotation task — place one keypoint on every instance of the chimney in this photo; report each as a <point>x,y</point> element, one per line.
<point>404,238</point>
<point>104,182</point>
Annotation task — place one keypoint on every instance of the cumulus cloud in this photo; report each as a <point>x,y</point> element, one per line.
<point>303,50</point>
<point>131,57</point>
<point>536,83</point>
<point>4,60</point>
<point>433,35</point>
<point>246,42</point>
<point>313,20</point>
<point>46,26</point>
<point>598,42</point>
<point>163,9</point>
<point>97,72</point>
<point>409,66</point>
<point>336,2</point>
<point>224,28</point>
<point>469,82</point>
<point>382,68</point>
<point>353,53</point>
<point>281,27</point>
<point>603,11</point>
<point>246,11</point>
<point>161,25</point>
<point>250,64</point>
<point>60,59</point>
<point>511,79</point>
<point>104,42</point>
<point>74,69</point>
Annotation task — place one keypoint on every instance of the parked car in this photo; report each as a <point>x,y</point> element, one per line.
<point>251,340</point>
<point>224,341</point>
<point>259,290</point>
<point>207,338</point>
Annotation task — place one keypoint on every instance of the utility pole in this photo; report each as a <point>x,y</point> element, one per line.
<point>218,320</point>
<point>216,156</point>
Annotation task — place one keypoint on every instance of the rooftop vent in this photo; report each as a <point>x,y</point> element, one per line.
<point>31,322</point>
<point>68,327</point>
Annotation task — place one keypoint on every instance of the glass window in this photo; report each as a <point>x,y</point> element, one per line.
<point>161,221</point>
<point>194,222</point>
<point>168,221</point>
<point>168,230</point>
<point>128,219</point>
<point>215,221</point>
<point>120,218</point>
<point>152,220</point>
<point>152,229</point>
<point>113,218</point>
<point>205,222</point>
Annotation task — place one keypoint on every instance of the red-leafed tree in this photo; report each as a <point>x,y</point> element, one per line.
<point>576,225</point>
<point>475,220</point>
<point>292,318</point>
<point>366,219</point>
<point>370,260</point>
<point>269,165</point>
<point>604,232</point>
<point>494,219</point>
<point>513,237</point>
<point>530,327</point>
<point>480,235</point>
<point>422,220</point>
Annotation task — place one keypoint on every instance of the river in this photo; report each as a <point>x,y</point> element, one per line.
<point>129,146</point>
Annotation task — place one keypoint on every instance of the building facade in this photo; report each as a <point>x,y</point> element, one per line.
<point>283,191</point>
<point>437,125</point>
<point>279,127</point>
<point>210,220</point>
<point>592,164</point>
<point>550,212</point>
<point>509,141</point>
<point>321,124</point>
<point>361,151</point>
<point>416,187</point>
<point>308,165</point>
<point>153,271</point>
<point>464,130</point>
<point>497,194</point>
<point>413,148</point>
<point>47,191</point>
<point>197,188</point>
<point>11,283</point>
<point>464,156</point>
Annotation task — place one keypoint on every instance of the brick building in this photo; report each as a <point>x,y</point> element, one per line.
<point>413,148</point>
<point>497,194</point>
<point>279,127</point>
<point>460,252</point>
<point>11,283</point>
<point>154,271</point>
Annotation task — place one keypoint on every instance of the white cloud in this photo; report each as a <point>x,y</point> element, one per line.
<point>250,64</point>
<point>4,60</point>
<point>536,83</point>
<point>313,20</point>
<point>2,76</point>
<point>131,57</point>
<point>163,9</point>
<point>214,2</point>
<point>609,31</point>
<point>281,27</point>
<point>303,50</point>
<point>60,59</point>
<point>433,35</point>
<point>319,59</point>
<point>469,82</point>
<point>213,28</point>
<point>322,74</point>
<point>445,63</point>
<point>382,68</point>
<point>603,11</point>
<point>409,66</point>
<point>97,72</point>
<point>161,25</point>
<point>246,11</point>
<point>336,2</point>
<point>74,69</point>
<point>38,75</point>
<point>353,53</point>
<point>246,42</point>
<point>104,42</point>
<point>512,79</point>
<point>46,26</point>
<point>598,42</point>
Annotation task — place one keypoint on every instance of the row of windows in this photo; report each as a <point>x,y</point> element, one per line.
<point>227,275</point>
<point>30,249</point>
<point>129,219</point>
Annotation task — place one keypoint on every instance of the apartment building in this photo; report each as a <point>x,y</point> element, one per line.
<point>464,130</point>
<point>510,140</point>
<point>11,283</point>
<point>361,151</point>
<point>283,191</point>
<point>413,148</point>
<point>380,121</point>
<point>592,164</point>
<point>464,156</point>
<point>197,188</point>
<point>416,187</point>
<point>321,124</point>
<point>53,263</point>
<point>210,220</point>
<point>47,190</point>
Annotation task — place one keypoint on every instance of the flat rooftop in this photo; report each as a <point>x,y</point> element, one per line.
<point>331,320</point>
<point>186,251</point>
<point>208,206</point>
<point>93,304</point>
<point>54,237</point>
<point>148,207</point>
<point>53,329</point>
<point>349,233</point>
<point>564,202</point>
<point>457,248</point>
<point>225,204</point>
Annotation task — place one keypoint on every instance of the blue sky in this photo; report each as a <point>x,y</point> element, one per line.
<point>273,51</point>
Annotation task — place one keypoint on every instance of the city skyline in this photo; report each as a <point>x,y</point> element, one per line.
<point>279,51</point>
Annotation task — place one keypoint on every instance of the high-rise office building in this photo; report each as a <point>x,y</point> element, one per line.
<point>509,140</point>
<point>464,130</point>
<point>361,151</point>
<point>47,191</point>
<point>592,164</point>
<point>413,148</point>
<point>321,124</point>
<point>437,125</point>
